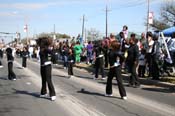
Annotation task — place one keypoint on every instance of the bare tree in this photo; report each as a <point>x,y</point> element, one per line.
<point>93,35</point>
<point>167,16</point>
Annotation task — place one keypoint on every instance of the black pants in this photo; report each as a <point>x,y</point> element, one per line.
<point>141,71</point>
<point>0,62</point>
<point>47,79</point>
<point>106,59</point>
<point>134,80</point>
<point>155,70</point>
<point>55,58</point>
<point>11,74</point>
<point>24,62</point>
<point>65,61</point>
<point>70,68</point>
<point>149,61</point>
<point>115,72</point>
<point>99,66</point>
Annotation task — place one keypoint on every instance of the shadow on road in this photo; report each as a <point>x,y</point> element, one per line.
<point>19,67</point>
<point>102,82</point>
<point>163,90</point>
<point>6,110</point>
<point>85,77</point>
<point>3,78</point>
<point>23,76</point>
<point>58,67</point>
<point>61,76</point>
<point>34,94</point>
<point>94,93</point>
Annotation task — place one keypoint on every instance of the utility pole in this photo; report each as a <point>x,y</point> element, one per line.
<point>83,26</point>
<point>107,10</point>
<point>147,28</point>
<point>54,36</point>
<point>85,38</point>
<point>26,30</point>
<point>54,28</point>
<point>106,21</point>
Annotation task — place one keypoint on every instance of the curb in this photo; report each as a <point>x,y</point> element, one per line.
<point>145,81</point>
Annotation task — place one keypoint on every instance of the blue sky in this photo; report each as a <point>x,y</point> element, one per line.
<point>41,15</point>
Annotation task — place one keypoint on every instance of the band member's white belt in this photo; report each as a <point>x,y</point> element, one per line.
<point>47,63</point>
<point>100,56</point>
<point>71,61</point>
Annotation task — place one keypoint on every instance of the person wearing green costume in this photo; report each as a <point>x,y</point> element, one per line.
<point>77,51</point>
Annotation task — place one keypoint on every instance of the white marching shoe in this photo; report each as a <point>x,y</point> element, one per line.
<point>53,98</point>
<point>44,96</point>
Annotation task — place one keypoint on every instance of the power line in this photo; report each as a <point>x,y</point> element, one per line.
<point>129,5</point>
<point>6,33</point>
<point>124,5</point>
<point>6,36</point>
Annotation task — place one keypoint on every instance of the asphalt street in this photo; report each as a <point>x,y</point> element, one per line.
<point>21,97</point>
<point>79,95</point>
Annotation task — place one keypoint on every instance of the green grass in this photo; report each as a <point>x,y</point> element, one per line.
<point>168,79</point>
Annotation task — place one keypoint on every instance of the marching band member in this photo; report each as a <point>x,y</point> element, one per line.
<point>46,68</point>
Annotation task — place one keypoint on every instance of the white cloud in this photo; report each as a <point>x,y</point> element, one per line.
<point>41,5</point>
<point>24,5</point>
<point>6,14</point>
<point>34,6</point>
<point>29,6</point>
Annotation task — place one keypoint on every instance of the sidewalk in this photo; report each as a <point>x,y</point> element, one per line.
<point>145,81</point>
